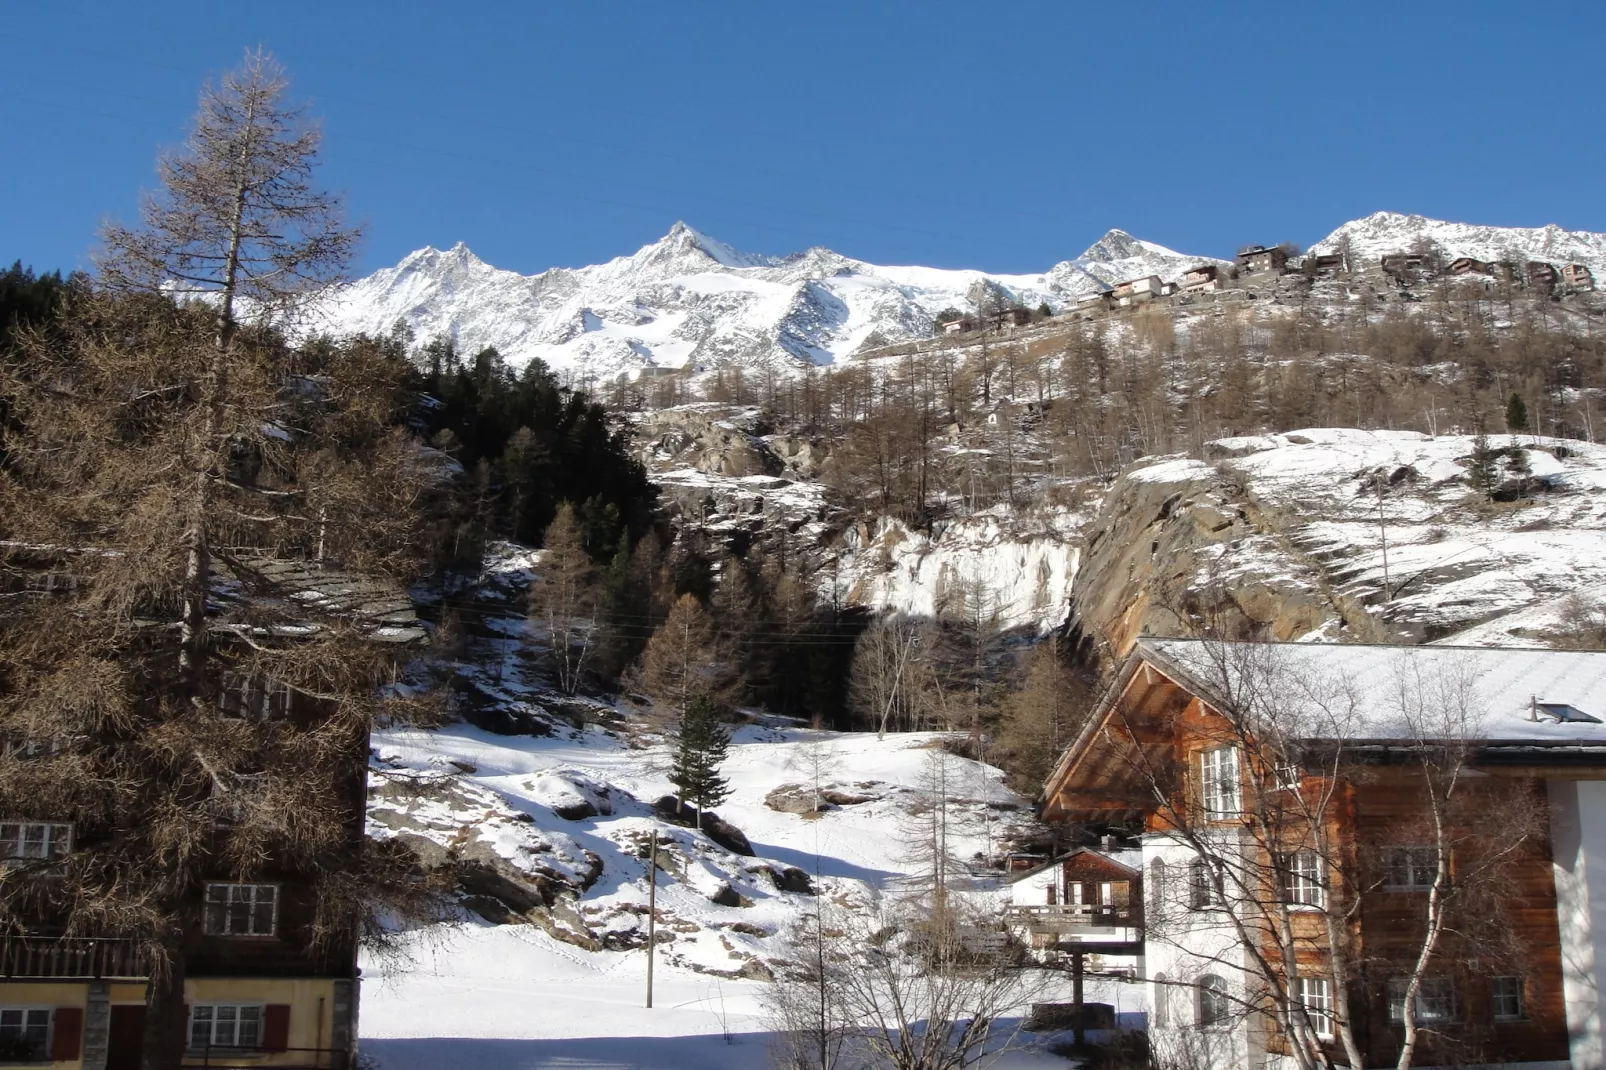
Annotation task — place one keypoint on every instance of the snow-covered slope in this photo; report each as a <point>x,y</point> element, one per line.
<point>688,298</point>
<point>1392,232</point>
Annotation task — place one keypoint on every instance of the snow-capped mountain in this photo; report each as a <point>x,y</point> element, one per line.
<point>1392,232</point>
<point>688,298</point>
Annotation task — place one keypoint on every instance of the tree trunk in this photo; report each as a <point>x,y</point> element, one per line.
<point>165,1018</point>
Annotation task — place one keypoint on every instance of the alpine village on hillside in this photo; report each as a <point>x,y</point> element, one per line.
<point>331,663</point>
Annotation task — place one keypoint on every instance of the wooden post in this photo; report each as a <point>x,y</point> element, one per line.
<point>652,911</point>
<point>1080,1034</point>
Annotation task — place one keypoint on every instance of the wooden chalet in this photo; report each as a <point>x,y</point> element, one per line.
<point>1540,274</point>
<point>958,326</point>
<point>1468,265</point>
<point>1203,277</point>
<point>1577,277</point>
<point>1318,265</point>
<point>1536,744</point>
<point>1137,291</point>
<point>1258,258</point>
<point>258,992</point>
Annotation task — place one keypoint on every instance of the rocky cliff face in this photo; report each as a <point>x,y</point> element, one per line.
<point>1341,535</point>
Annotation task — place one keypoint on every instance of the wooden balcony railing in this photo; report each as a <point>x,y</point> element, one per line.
<point>64,958</point>
<point>1074,917</point>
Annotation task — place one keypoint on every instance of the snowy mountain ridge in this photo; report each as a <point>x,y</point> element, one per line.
<point>691,299</point>
<point>1391,232</point>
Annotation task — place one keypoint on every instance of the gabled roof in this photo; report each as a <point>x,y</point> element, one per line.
<point>1061,859</point>
<point>1371,697</point>
<point>1380,693</point>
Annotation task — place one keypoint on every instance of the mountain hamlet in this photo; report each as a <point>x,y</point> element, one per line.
<point>705,659</point>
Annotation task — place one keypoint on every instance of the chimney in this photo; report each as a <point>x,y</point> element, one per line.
<point>1533,707</point>
<point>1106,843</point>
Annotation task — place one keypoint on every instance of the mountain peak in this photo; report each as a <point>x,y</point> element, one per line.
<point>1115,245</point>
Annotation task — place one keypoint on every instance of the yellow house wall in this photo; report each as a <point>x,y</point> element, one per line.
<point>46,994</point>
<point>302,995</point>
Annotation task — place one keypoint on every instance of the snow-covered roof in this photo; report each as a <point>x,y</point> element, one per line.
<point>1489,695</point>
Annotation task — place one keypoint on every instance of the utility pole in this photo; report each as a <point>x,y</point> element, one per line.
<point>652,910</point>
<point>1383,534</point>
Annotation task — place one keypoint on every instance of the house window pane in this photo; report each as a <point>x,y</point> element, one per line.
<point>240,909</point>
<point>1213,1008</point>
<point>1303,879</point>
<point>1201,886</point>
<point>1219,779</point>
<point>200,1026</point>
<point>35,840</point>
<point>1410,868</point>
<point>1435,1000</point>
<point>1162,1002</point>
<point>250,1028</point>
<point>226,1025</point>
<point>1158,886</point>
<point>1506,996</point>
<point>24,1033</point>
<point>1314,994</point>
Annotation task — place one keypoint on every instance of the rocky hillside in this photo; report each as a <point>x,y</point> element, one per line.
<point>1345,535</point>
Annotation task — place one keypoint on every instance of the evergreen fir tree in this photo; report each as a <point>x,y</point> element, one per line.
<point>1516,414</point>
<point>700,750</point>
<point>1480,466</point>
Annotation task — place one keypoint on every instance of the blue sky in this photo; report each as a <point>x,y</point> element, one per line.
<point>1002,137</point>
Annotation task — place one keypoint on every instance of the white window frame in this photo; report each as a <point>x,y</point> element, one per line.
<point>1212,989</point>
<point>256,698</point>
<point>1316,995</point>
<point>216,1027</point>
<point>1514,989</point>
<point>25,747</point>
<point>1290,776</point>
<point>234,894</point>
<point>1419,865</point>
<point>1162,1002</point>
<point>1220,783</point>
<point>20,1028</point>
<point>1202,893</point>
<point>55,839</point>
<point>1157,887</point>
<point>1304,880</point>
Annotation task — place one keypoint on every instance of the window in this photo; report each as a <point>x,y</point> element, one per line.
<point>24,1033</point>
<point>1303,879</point>
<point>1506,999</point>
<point>1162,1002</point>
<point>1158,887</point>
<point>1214,1009</point>
<point>226,1025</point>
<point>44,841</point>
<point>1435,1000</point>
<point>1411,868</point>
<point>241,909</point>
<point>26,747</point>
<point>1201,887</point>
<point>244,696</point>
<point>1318,1000</point>
<point>1219,781</point>
<point>1289,776</point>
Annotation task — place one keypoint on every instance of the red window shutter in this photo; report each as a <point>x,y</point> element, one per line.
<point>276,1027</point>
<point>67,1039</point>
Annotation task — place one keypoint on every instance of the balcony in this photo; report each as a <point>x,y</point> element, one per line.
<point>29,958</point>
<point>1090,921</point>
